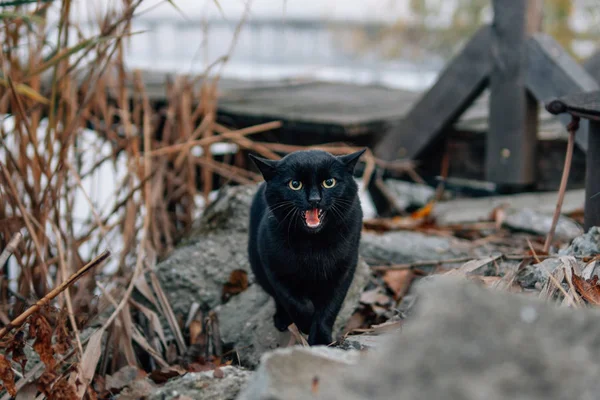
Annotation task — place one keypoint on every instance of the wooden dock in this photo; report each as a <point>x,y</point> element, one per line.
<point>314,112</point>
<point>347,112</point>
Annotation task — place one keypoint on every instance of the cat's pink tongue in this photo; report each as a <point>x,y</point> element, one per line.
<point>312,217</point>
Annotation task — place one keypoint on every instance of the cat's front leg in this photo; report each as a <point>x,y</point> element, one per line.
<point>320,331</point>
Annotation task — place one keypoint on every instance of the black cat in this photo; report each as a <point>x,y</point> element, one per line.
<point>305,225</point>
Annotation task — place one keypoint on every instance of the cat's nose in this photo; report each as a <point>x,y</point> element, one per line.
<point>314,198</point>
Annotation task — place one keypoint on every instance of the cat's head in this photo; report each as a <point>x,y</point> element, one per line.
<point>313,186</point>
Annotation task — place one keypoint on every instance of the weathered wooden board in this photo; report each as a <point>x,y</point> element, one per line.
<point>459,84</point>
<point>586,104</point>
<point>512,135</point>
<point>345,105</point>
<point>592,66</point>
<point>592,183</point>
<point>552,73</point>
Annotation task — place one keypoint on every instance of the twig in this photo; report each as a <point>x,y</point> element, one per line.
<point>572,128</point>
<point>421,264</point>
<point>427,263</point>
<point>55,292</point>
<point>10,248</point>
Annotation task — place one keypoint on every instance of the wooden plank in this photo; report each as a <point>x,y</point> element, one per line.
<point>320,102</point>
<point>592,184</point>
<point>459,84</point>
<point>552,72</point>
<point>512,136</point>
<point>587,103</point>
<point>592,66</point>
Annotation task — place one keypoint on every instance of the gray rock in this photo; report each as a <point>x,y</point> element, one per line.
<point>536,275</point>
<point>530,220</point>
<point>586,245</point>
<point>471,210</point>
<point>197,270</point>
<point>204,385</point>
<point>246,321</point>
<point>362,342</point>
<point>290,373</point>
<point>406,246</point>
<point>468,343</point>
<point>230,212</point>
<point>408,194</point>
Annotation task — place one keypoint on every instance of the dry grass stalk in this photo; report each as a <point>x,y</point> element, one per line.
<point>572,128</point>
<point>52,294</point>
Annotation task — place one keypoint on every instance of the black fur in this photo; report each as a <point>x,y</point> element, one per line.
<point>306,270</point>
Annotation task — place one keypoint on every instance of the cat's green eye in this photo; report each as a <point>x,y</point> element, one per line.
<point>295,185</point>
<point>329,183</point>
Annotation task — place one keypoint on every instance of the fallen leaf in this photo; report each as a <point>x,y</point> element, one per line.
<point>424,211</point>
<point>375,296</point>
<point>8,376</point>
<point>218,373</point>
<point>63,337</point>
<point>63,390</point>
<point>16,349</point>
<point>40,329</point>
<point>588,289</point>
<point>398,281</point>
<point>45,381</point>
<point>196,332</point>
<point>123,377</point>
<point>163,375</point>
<point>238,282</point>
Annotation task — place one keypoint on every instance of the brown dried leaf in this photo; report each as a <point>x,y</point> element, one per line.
<point>8,376</point>
<point>238,282</point>
<point>41,330</point>
<point>588,289</point>
<point>45,381</point>
<point>398,281</point>
<point>16,349</point>
<point>196,332</point>
<point>123,377</point>
<point>218,373</point>
<point>63,390</point>
<point>162,375</point>
<point>63,336</point>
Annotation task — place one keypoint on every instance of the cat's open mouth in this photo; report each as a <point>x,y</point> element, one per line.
<point>312,218</point>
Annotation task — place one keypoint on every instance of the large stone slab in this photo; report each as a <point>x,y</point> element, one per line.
<point>406,246</point>
<point>467,342</point>
<point>204,385</point>
<point>296,372</point>
<point>471,210</point>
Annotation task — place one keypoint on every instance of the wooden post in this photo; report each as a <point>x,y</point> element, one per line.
<point>592,66</point>
<point>592,184</point>
<point>512,136</point>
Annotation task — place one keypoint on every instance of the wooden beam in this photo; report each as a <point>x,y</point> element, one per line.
<point>512,135</point>
<point>592,66</point>
<point>463,79</point>
<point>552,72</point>
<point>592,183</point>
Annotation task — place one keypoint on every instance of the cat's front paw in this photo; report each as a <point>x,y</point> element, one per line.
<point>281,321</point>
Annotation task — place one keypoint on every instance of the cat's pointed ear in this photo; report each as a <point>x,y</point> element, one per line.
<point>351,159</point>
<point>267,168</point>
